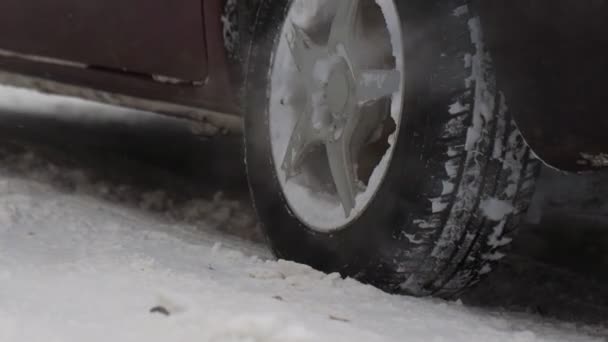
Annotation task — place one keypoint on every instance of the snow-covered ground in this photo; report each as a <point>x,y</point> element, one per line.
<point>85,259</point>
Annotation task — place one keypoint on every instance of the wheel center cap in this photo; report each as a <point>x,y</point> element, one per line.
<point>338,87</point>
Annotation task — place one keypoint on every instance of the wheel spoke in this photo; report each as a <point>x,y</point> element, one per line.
<point>302,139</point>
<point>342,171</point>
<point>341,156</point>
<point>303,50</point>
<point>343,32</point>
<point>344,23</point>
<point>376,84</point>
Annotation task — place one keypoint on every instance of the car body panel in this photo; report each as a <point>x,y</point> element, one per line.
<point>114,34</point>
<point>199,89</point>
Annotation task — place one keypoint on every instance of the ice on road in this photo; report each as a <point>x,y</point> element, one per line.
<point>74,267</point>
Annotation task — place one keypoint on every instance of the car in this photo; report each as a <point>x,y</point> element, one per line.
<point>393,141</point>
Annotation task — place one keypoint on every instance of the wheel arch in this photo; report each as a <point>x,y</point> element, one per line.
<point>551,58</point>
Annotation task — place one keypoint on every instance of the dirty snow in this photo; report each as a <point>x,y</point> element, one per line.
<point>496,209</point>
<point>458,108</point>
<point>462,10</point>
<point>484,98</point>
<point>230,29</point>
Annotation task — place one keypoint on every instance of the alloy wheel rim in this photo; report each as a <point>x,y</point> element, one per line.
<point>330,97</point>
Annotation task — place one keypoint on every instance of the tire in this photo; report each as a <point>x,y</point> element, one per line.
<point>461,175</point>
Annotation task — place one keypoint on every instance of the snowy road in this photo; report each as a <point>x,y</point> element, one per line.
<point>102,246</point>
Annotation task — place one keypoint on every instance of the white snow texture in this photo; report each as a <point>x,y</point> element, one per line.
<point>74,267</point>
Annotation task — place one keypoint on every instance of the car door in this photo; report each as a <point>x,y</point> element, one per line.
<point>154,37</point>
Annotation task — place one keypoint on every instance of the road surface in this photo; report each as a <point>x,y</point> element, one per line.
<point>130,228</point>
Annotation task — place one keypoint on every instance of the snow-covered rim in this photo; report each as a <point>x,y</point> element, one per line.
<point>323,212</point>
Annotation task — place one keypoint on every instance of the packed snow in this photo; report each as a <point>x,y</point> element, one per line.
<point>77,268</point>
<point>78,265</point>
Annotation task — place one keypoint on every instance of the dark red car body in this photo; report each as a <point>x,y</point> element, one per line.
<point>171,57</point>
<point>161,55</point>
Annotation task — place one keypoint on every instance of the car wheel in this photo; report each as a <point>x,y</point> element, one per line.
<point>378,145</point>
